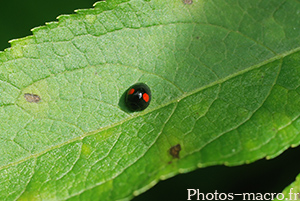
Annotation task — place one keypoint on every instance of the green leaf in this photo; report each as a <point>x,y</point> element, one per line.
<point>225,84</point>
<point>291,192</point>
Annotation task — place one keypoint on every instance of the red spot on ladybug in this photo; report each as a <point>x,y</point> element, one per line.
<point>131,91</point>
<point>146,97</point>
<point>138,97</point>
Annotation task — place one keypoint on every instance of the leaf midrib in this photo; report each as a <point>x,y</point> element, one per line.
<point>277,57</point>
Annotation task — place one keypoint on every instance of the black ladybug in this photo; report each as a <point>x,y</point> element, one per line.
<point>138,97</point>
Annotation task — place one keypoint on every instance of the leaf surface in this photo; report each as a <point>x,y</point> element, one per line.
<point>291,192</point>
<point>224,76</point>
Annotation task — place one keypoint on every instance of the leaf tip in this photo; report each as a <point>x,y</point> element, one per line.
<point>200,165</point>
<point>62,17</point>
<point>52,25</point>
<point>99,4</point>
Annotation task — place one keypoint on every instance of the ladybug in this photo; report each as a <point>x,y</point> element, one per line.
<point>138,97</point>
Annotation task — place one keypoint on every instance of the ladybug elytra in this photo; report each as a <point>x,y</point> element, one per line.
<point>138,97</point>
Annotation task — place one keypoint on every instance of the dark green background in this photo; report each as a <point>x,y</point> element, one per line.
<point>18,17</point>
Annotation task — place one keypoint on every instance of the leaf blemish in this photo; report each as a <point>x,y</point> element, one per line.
<point>174,151</point>
<point>189,2</point>
<point>32,98</point>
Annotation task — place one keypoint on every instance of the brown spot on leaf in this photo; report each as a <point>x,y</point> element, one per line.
<point>174,151</point>
<point>32,98</point>
<point>188,2</point>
